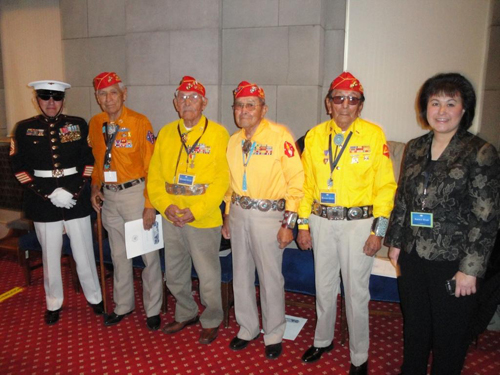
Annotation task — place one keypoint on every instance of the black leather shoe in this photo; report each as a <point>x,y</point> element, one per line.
<point>274,351</point>
<point>98,308</point>
<point>112,319</point>
<point>52,317</point>
<point>313,354</point>
<point>240,344</point>
<point>359,370</point>
<point>153,322</point>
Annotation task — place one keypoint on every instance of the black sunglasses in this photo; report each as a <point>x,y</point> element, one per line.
<point>47,94</point>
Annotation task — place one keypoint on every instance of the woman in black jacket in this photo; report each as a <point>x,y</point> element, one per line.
<point>443,225</point>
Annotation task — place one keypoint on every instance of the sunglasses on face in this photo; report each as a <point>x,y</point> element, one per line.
<point>57,96</point>
<point>352,100</point>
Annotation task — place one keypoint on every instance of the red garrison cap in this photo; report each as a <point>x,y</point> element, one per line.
<point>346,81</point>
<point>106,79</point>
<point>248,89</point>
<point>190,84</point>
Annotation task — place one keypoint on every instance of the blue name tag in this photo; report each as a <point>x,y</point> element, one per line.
<point>186,179</point>
<point>327,198</point>
<point>422,219</point>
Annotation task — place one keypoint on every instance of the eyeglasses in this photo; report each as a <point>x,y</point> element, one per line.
<point>248,106</point>
<point>184,97</point>
<point>352,100</point>
<point>57,96</point>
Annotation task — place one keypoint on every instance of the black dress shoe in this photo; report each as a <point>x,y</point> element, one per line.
<point>240,344</point>
<point>112,319</point>
<point>314,353</point>
<point>359,370</point>
<point>274,351</point>
<point>52,317</point>
<point>153,322</point>
<point>98,308</point>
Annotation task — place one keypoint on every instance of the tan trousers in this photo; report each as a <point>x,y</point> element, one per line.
<point>50,236</point>
<point>120,207</point>
<point>338,246</point>
<point>255,246</point>
<point>183,248</point>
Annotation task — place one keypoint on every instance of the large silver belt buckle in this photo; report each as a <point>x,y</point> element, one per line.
<point>264,205</point>
<point>113,188</point>
<point>335,213</point>
<point>245,202</point>
<point>355,213</point>
<point>56,173</point>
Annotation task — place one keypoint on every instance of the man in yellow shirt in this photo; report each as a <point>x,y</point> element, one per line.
<point>348,197</point>
<point>261,210</point>
<point>122,143</point>
<point>188,176</point>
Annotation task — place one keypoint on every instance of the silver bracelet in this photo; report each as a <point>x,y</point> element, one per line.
<point>379,226</point>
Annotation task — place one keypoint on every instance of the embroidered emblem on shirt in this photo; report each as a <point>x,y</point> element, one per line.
<point>385,150</point>
<point>35,132</point>
<point>150,137</point>
<point>289,150</point>
<point>325,159</point>
<point>69,133</point>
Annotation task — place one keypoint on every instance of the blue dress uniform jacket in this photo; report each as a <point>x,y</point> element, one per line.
<point>43,144</point>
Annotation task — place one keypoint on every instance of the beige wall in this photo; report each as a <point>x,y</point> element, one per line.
<point>30,35</point>
<point>490,123</point>
<point>293,48</point>
<point>394,46</point>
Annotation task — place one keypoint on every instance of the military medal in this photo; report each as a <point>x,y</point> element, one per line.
<point>246,146</point>
<point>338,139</point>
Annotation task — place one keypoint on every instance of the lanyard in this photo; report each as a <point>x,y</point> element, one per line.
<point>189,150</point>
<point>246,158</point>
<point>109,140</point>
<point>427,175</point>
<point>333,163</point>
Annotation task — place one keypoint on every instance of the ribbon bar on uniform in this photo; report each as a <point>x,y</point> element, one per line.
<point>342,213</point>
<point>263,205</point>
<point>125,185</point>
<point>176,189</point>
<point>56,173</point>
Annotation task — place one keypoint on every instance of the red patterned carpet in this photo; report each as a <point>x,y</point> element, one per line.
<point>80,344</point>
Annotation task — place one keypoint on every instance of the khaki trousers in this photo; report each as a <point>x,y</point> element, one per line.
<point>120,207</point>
<point>50,236</point>
<point>255,246</point>
<point>338,246</point>
<point>183,248</point>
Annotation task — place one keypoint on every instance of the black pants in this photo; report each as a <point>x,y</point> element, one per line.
<point>433,320</point>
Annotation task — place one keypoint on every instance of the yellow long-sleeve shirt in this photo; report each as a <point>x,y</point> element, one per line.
<point>363,176</point>
<point>131,151</point>
<point>209,167</point>
<point>274,170</point>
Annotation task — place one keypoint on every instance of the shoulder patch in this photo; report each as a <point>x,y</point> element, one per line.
<point>289,149</point>
<point>385,151</point>
<point>150,137</point>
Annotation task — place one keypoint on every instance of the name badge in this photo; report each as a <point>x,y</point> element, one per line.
<point>327,198</point>
<point>110,176</point>
<point>422,219</point>
<point>186,179</point>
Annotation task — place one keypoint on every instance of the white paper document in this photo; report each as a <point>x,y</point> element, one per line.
<point>384,267</point>
<point>293,327</point>
<point>139,241</point>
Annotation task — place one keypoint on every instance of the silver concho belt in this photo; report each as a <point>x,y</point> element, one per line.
<point>342,213</point>
<point>263,205</point>
<point>176,189</point>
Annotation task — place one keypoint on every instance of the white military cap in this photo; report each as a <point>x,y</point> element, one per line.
<point>50,85</point>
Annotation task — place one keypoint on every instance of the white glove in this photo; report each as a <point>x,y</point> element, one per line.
<point>62,198</point>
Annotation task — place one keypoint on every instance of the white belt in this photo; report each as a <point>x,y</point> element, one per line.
<point>56,173</point>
